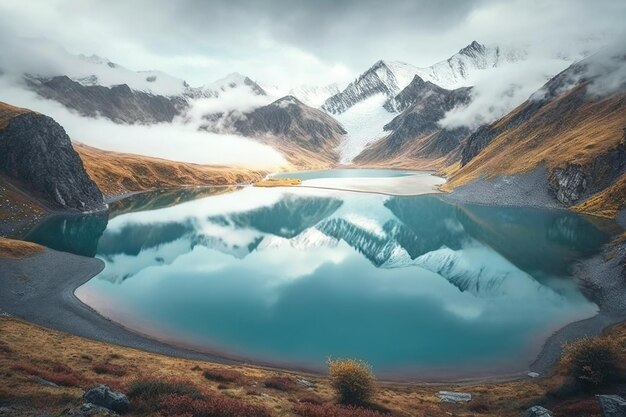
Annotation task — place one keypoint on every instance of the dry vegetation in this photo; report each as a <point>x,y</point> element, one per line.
<point>278,182</point>
<point>7,112</point>
<point>17,249</point>
<point>171,385</point>
<point>606,203</point>
<point>559,133</point>
<point>118,173</point>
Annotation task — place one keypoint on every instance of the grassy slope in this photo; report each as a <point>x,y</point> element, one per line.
<point>27,350</point>
<point>118,173</point>
<point>17,249</point>
<point>563,131</point>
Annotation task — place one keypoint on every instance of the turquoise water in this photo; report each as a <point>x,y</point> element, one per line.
<point>344,173</point>
<point>293,276</point>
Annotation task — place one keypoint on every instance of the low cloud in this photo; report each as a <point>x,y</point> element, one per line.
<point>607,70</point>
<point>499,90</point>
<point>176,141</point>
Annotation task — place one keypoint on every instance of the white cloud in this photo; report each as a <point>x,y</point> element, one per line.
<point>499,90</point>
<point>176,141</point>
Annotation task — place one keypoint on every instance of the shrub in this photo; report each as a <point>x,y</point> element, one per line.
<point>108,368</point>
<point>147,395</point>
<point>331,410</point>
<point>213,405</point>
<point>592,361</point>
<point>222,375</point>
<point>60,374</point>
<point>352,380</point>
<point>311,398</point>
<point>280,383</point>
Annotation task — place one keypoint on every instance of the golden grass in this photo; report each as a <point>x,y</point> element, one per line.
<point>278,182</point>
<point>608,202</point>
<point>17,249</point>
<point>47,352</point>
<point>558,134</point>
<point>7,112</point>
<point>118,173</point>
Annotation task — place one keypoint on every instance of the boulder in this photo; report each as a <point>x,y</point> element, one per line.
<point>537,411</point>
<point>454,397</point>
<point>103,396</point>
<point>612,405</point>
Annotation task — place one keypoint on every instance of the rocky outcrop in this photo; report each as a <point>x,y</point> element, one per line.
<point>454,397</point>
<point>573,182</point>
<point>118,103</point>
<point>103,396</point>
<point>612,405</point>
<point>36,152</point>
<point>568,184</point>
<point>537,411</point>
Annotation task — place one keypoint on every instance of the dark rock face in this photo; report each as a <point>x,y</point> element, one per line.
<point>103,396</point>
<point>568,184</point>
<point>118,103</point>
<point>36,151</point>
<point>612,405</point>
<point>573,182</point>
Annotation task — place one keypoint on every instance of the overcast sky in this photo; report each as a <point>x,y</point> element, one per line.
<point>298,41</point>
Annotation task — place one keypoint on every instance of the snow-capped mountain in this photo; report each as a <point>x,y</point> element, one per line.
<point>94,70</point>
<point>233,81</point>
<point>461,68</point>
<point>314,95</point>
<point>390,77</point>
<point>383,77</point>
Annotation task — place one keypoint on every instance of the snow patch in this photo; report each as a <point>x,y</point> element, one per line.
<point>364,123</point>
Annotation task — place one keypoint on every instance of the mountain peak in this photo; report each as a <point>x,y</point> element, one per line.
<point>473,48</point>
<point>286,101</point>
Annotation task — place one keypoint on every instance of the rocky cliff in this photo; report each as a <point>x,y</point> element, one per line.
<point>36,152</point>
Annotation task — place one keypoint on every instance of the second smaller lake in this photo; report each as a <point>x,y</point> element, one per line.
<point>344,173</point>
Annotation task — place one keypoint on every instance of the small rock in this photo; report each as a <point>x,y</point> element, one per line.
<point>454,397</point>
<point>47,383</point>
<point>306,383</point>
<point>612,405</point>
<point>537,411</point>
<point>105,397</point>
<point>533,374</point>
<point>7,411</point>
